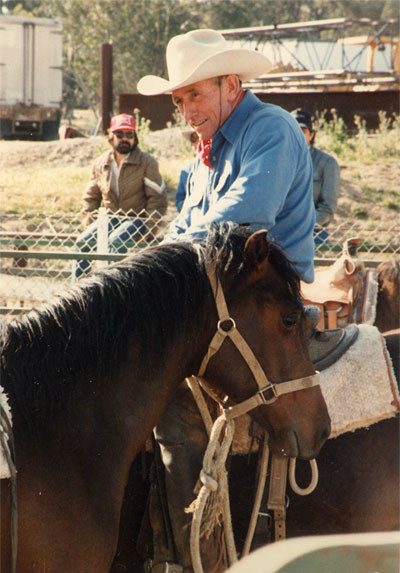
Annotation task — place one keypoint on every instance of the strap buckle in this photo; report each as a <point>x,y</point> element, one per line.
<point>270,388</point>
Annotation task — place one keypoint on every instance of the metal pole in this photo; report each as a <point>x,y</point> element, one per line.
<point>106,86</point>
<point>102,235</point>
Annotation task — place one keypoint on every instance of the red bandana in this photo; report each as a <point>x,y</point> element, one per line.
<point>204,146</point>
<point>203,149</point>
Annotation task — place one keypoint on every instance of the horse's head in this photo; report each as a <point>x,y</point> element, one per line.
<point>265,308</point>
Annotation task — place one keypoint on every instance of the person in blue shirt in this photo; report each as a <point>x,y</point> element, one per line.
<point>253,167</point>
<point>326,177</point>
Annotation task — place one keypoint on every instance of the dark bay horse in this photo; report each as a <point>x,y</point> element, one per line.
<point>89,375</point>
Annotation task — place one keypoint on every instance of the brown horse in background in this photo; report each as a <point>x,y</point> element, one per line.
<point>89,376</point>
<point>388,302</point>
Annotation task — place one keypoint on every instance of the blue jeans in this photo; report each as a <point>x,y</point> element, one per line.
<point>120,231</point>
<point>321,236</point>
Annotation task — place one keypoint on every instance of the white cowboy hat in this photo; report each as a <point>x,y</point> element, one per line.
<point>201,55</point>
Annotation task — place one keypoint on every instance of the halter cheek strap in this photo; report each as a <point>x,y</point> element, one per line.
<point>226,328</point>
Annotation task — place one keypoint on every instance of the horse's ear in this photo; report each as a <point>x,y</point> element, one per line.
<point>256,249</point>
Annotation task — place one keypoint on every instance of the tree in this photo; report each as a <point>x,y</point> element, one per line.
<point>140,30</point>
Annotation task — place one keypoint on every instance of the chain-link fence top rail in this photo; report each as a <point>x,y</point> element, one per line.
<point>39,253</point>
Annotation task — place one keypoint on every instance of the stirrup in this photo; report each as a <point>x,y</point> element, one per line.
<point>327,346</point>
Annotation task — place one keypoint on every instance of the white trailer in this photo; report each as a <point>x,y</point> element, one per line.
<point>30,77</point>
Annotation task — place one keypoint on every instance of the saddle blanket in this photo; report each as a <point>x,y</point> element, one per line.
<point>4,411</point>
<point>360,389</point>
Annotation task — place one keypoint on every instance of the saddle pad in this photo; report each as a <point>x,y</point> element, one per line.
<point>360,389</point>
<point>4,407</point>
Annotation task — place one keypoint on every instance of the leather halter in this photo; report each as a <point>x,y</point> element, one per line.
<point>268,391</point>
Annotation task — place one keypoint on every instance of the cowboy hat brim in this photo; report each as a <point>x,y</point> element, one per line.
<point>247,64</point>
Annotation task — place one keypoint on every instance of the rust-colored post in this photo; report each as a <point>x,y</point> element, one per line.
<point>106,86</point>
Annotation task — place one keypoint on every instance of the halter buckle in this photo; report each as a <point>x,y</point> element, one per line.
<point>270,388</point>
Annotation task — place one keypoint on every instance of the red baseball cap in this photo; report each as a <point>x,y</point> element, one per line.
<point>123,122</point>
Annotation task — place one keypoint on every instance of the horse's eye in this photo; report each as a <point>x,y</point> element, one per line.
<point>290,320</point>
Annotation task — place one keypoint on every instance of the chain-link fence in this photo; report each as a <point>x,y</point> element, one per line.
<point>41,254</point>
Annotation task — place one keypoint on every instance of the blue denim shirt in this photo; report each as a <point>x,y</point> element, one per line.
<point>262,176</point>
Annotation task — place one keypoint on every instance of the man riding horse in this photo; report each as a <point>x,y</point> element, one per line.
<point>253,167</point>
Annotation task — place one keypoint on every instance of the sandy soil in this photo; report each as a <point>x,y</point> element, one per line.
<point>357,178</point>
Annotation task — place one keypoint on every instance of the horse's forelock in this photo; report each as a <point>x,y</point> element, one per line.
<point>226,243</point>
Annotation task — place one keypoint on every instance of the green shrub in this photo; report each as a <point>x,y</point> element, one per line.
<point>362,144</point>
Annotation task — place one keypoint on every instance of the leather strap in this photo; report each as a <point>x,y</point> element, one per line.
<point>226,328</point>
<point>276,389</point>
<point>277,493</point>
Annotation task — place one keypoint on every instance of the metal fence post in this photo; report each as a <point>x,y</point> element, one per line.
<point>102,235</point>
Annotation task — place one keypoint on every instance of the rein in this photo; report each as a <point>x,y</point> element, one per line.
<point>268,392</point>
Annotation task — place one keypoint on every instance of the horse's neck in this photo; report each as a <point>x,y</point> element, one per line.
<point>137,400</point>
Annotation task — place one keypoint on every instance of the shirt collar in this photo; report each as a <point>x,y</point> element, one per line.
<point>239,115</point>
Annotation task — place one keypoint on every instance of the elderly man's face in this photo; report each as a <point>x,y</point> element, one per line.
<point>206,105</point>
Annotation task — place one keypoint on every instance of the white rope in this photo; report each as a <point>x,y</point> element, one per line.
<point>292,477</point>
<point>213,497</point>
<point>258,497</point>
<point>193,383</point>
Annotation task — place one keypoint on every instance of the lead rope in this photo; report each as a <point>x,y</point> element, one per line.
<point>213,497</point>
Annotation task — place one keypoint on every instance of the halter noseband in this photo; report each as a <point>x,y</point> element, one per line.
<point>268,391</point>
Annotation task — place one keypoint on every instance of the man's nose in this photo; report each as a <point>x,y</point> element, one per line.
<point>189,111</point>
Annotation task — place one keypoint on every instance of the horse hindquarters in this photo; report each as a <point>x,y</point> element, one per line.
<point>358,489</point>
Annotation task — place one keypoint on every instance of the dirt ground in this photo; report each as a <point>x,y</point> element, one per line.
<point>368,190</point>
<point>38,176</point>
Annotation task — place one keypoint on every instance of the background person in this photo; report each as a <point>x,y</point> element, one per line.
<point>326,177</point>
<point>180,196</point>
<point>123,179</point>
<point>253,168</point>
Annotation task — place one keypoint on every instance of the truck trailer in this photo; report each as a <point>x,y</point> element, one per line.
<point>30,77</point>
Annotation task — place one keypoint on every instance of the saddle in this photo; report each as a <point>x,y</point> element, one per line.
<point>345,292</point>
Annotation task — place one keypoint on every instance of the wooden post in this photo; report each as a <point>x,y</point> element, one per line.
<point>106,86</point>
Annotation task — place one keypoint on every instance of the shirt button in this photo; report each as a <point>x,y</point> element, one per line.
<point>214,158</point>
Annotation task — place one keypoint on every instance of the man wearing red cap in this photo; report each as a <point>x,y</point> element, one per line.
<point>123,179</point>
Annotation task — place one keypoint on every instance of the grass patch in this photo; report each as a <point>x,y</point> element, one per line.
<point>44,189</point>
<point>359,213</point>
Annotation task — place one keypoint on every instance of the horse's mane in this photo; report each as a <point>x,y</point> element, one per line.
<point>150,298</point>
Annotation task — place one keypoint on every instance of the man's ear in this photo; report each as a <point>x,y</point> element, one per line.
<point>256,249</point>
<point>233,85</point>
